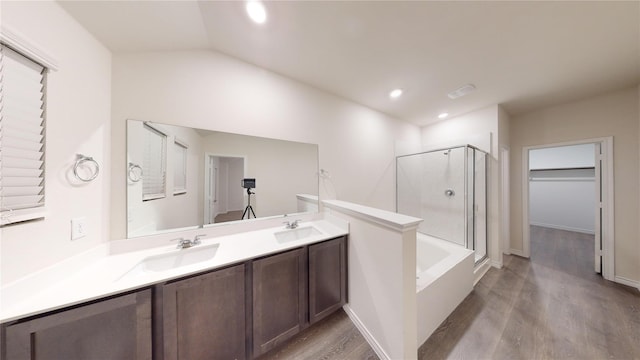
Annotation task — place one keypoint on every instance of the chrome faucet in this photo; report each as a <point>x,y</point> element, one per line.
<point>186,243</point>
<point>291,225</point>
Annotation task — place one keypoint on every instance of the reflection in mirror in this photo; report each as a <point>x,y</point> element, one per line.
<point>181,178</point>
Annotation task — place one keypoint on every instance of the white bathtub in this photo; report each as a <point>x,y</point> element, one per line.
<point>444,277</point>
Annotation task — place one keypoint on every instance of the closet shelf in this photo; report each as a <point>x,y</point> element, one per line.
<point>567,168</point>
<point>561,179</point>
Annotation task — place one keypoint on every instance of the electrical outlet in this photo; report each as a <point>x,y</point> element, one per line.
<point>78,228</point>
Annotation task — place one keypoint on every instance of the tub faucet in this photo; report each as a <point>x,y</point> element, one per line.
<point>291,225</point>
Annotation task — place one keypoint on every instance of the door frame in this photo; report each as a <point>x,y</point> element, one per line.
<point>207,156</point>
<point>607,185</point>
<point>505,226</point>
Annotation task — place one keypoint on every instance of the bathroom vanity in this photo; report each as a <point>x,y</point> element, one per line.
<point>237,310</point>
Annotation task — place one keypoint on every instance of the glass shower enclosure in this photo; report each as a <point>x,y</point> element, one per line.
<point>447,188</point>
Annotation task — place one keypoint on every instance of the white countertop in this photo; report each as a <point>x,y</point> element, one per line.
<point>101,273</point>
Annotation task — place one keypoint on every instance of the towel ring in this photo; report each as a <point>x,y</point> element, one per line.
<point>83,160</point>
<point>134,175</point>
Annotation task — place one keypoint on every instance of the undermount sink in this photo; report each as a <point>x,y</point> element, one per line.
<point>174,259</point>
<point>296,234</point>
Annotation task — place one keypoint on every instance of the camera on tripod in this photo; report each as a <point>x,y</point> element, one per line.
<point>248,183</point>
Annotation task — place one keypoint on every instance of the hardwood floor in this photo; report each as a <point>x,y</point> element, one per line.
<point>230,216</point>
<point>333,338</point>
<point>550,307</point>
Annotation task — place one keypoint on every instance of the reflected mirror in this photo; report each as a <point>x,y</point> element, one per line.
<point>181,178</point>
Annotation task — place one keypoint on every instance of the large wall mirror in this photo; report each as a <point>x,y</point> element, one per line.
<point>182,178</point>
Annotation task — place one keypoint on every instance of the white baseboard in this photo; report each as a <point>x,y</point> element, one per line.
<point>562,227</point>
<point>366,334</point>
<point>517,252</point>
<point>628,282</point>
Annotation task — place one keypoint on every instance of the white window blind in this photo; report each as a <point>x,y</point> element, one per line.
<point>179,167</point>
<point>154,163</point>
<point>22,83</point>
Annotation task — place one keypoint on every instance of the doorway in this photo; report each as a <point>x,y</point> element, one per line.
<point>224,196</point>
<point>568,195</point>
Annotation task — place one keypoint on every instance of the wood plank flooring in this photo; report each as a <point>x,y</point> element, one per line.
<point>549,307</point>
<point>332,338</point>
<point>229,216</point>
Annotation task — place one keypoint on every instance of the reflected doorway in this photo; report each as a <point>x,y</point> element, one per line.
<point>224,196</point>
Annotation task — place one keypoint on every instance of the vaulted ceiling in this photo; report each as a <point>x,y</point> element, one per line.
<point>523,55</point>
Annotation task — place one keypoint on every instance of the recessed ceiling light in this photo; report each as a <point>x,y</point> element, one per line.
<point>443,116</point>
<point>256,11</point>
<point>394,94</point>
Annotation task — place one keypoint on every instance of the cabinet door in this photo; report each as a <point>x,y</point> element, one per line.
<point>117,328</point>
<point>279,299</point>
<point>327,278</point>
<point>204,316</point>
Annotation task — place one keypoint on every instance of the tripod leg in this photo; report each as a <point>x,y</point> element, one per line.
<point>251,208</point>
<point>246,212</point>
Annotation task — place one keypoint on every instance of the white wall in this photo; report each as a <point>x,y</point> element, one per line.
<point>563,199</point>
<point>235,200</point>
<point>562,157</point>
<point>208,90</point>
<point>474,128</point>
<point>282,169</point>
<point>614,114</point>
<point>77,121</point>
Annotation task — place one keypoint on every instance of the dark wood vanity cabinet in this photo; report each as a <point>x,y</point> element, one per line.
<point>238,312</point>
<point>203,317</point>
<point>279,298</point>
<point>327,278</point>
<point>116,328</point>
<point>294,289</point>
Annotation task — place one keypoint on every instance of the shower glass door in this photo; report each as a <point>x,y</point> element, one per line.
<point>448,190</point>
<point>431,186</point>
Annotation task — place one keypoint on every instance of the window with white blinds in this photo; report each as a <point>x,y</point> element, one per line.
<point>179,167</point>
<point>22,102</point>
<point>154,163</point>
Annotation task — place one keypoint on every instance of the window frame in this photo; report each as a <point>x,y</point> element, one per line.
<point>14,131</point>
<point>178,144</point>
<point>163,164</point>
